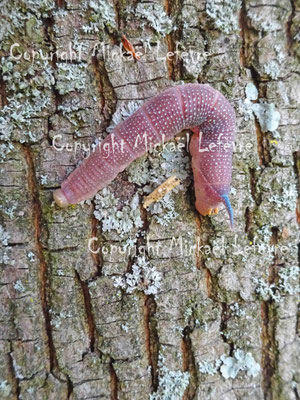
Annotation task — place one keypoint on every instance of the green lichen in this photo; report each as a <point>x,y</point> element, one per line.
<point>272,69</point>
<point>70,77</point>
<point>287,197</point>
<point>10,211</point>
<point>240,361</point>
<point>123,112</point>
<point>227,88</point>
<point>24,79</point>
<point>139,171</point>
<point>143,277</point>
<point>195,313</point>
<point>31,256</point>
<point>5,149</point>
<point>23,18</point>
<point>287,284</point>
<point>245,109</point>
<point>245,106</point>
<point>251,91</point>
<point>4,237</point>
<point>28,88</point>
<point>262,23</point>
<point>72,110</point>
<point>159,165</point>
<point>114,219</point>
<point>230,367</point>
<point>102,15</point>
<point>164,210</point>
<point>267,116</point>
<point>172,384</point>
<point>5,389</point>
<point>18,285</point>
<point>236,310</point>
<point>210,367</point>
<point>224,14</point>
<point>155,16</point>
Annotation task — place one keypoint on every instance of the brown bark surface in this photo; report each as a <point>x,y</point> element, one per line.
<point>204,312</point>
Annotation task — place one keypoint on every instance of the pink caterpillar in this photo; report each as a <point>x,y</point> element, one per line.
<point>198,107</point>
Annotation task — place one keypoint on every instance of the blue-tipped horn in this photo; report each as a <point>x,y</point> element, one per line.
<point>229,209</point>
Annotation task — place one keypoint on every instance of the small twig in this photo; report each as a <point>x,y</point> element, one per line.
<point>161,191</point>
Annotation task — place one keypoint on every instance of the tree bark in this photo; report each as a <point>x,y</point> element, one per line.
<point>193,310</point>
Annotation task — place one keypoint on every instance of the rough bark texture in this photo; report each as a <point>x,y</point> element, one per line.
<point>72,327</point>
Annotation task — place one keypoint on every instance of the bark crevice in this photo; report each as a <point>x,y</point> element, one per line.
<point>43,271</point>
<point>12,372</point>
<point>88,310</point>
<point>113,381</point>
<point>107,95</point>
<point>289,36</point>
<point>189,365</point>
<point>175,65</point>
<point>151,338</point>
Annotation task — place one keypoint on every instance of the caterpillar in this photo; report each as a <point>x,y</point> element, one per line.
<point>193,106</point>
